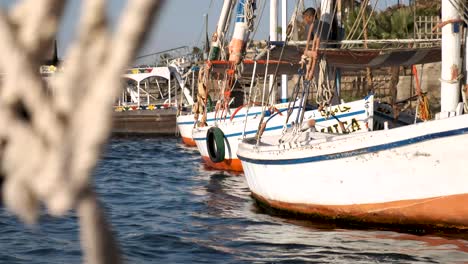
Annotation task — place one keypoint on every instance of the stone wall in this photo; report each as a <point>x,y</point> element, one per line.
<point>429,81</point>
<point>354,84</point>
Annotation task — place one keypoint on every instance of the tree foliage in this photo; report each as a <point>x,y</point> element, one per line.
<point>392,23</point>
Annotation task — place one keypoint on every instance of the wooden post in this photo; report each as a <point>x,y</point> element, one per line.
<point>193,83</point>
<point>394,78</point>
<point>169,88</point>
<point>147,92</point>
<point>451,62</point>
<point>138,92</point>
<point>369,85</point>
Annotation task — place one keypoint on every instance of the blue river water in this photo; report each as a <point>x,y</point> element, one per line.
<point>166,207</point>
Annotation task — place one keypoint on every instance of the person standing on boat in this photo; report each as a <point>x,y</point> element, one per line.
<point>309,16</point>
<point>321,28</point>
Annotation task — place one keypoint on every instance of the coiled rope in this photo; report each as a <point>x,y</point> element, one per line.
<point>249,13</point>
<point>63,133</point>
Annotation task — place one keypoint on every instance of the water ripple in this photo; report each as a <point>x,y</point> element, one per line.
<point>166,207</point>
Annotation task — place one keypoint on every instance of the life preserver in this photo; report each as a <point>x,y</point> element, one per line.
<point>215,144</point>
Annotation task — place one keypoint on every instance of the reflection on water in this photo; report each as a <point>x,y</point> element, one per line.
<point>268,238</point>
<point>167,207</point>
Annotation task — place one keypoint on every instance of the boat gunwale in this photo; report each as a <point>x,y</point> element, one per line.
<point>264,156</point>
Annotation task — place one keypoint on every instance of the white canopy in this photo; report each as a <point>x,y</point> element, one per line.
<point>164,72</point>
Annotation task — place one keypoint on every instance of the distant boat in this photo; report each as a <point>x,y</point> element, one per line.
<point>148,100</point>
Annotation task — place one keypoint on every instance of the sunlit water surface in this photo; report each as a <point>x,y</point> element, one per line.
<point>166,207</point>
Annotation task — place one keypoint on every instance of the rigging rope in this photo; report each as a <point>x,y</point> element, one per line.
<point>261,126</point>
<point>259,19</point>
<point>249,13</point>
<point>293,99</point>
<point>357,21</point>
<point>249,99</point>
<point>324,93</point>
<point>367,20</point>
<point>422,108</point>
<point>65,131</point>
<point>462,9</point>
<point>292,25</point>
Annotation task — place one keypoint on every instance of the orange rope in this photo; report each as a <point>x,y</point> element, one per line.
<point>444,23</point>
<point>423,103</point>
<point>416,80</point>
<point>226,96</point>
<point>313,52</point>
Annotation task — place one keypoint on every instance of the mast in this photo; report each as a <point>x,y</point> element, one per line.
<point>451,62</point>
<point>465,62</point>
<point>241,30</point>
<point>284,26</point>
<point>273,20</point>
<point>218,36</point>
<point>339,36</point>
<point>223,17</point>
<point>206,51</point>
<point>273,37</point>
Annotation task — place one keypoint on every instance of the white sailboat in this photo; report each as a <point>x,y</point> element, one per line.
<point>186,123</point>
<point>218,144</point>
<point>409,175</point>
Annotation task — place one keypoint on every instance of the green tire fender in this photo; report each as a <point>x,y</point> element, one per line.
<point>215,144</point>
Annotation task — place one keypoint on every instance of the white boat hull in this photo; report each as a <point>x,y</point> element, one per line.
<point>233,135</point>
<point>186,123</point>
<point>412,174</point>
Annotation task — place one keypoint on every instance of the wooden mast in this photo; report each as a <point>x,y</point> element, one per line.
<point>451,62</point>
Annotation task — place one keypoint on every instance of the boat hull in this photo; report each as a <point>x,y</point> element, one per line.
<point>186,123</point>
<point>404,175</point>
<point>436,212</point>
<point>232,135</point>
<point>355,114</point>
<point>227,164</point>
<point>189,141</point>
